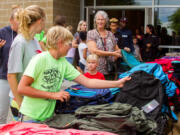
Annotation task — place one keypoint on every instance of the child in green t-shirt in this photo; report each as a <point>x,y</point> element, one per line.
<point>42,79</point>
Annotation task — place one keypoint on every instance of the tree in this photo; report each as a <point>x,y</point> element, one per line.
<point>175,21</point>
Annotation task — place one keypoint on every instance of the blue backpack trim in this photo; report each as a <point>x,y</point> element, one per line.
<point>129,59</point>
<point>81,96</point>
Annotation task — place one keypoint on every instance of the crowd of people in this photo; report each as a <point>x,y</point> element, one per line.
<point>33,71</point>
<point>33,63</point>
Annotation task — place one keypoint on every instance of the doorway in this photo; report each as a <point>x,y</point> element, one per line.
<point>137,17</point>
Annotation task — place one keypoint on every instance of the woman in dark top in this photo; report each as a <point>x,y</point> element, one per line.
<point>150,44</point>
<point>7,34</point>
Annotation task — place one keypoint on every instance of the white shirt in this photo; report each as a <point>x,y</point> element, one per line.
<point>81,47</point>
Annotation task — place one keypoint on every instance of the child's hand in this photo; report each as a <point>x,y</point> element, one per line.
<point>123,81</point>
<point>62,96</point>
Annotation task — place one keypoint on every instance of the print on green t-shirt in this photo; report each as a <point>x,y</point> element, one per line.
<point>51,78</point>
<point>48,74</point>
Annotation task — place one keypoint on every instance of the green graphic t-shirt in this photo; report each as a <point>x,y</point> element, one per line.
<point>48,74</point>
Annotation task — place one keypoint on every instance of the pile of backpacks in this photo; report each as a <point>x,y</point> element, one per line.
<point>142,106</point>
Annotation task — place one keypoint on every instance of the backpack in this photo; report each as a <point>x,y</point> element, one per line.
<point>81,96</point>
<point>156,70</point>
<point>116,118</point>
<point>127,62</point>
<point>145,92</point>
<point>129,59</point>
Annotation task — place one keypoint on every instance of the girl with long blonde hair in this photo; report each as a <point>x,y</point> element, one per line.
<point>31,21</point>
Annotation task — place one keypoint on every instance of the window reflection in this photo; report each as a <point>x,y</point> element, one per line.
<point>118,2</point>
<point>169,20</point>
<point>167,2</point>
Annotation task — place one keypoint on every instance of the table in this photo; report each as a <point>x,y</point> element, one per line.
<point>170,47</point>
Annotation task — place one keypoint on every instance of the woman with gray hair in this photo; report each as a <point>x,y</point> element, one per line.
<point>102,43</point>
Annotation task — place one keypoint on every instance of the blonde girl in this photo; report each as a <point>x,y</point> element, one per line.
<point>31,21</point>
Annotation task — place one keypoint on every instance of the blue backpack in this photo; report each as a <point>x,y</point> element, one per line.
<point>81,96</point>
<point>127,62</point>
<point>129,59</point>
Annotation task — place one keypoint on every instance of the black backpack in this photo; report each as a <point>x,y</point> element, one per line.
<point>145,91</point>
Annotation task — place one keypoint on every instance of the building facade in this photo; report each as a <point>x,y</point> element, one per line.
<point>165,13</point>
<point>68,8</point>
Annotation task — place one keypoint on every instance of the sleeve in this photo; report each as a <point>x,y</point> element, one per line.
<point>15,62</point>
<point>70,72</point>
<point>38,37</point>
<point>84,46</point>
<point>44,39</point>
<point>76,36</point>
<point>103,78</point>
<point>90,36</point>
<point>86,74</point>
<point>32,68</point>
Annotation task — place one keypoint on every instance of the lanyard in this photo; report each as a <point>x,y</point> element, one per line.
<point>103,42</point>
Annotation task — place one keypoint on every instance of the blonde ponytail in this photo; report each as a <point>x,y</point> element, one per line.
<point>26,17</point>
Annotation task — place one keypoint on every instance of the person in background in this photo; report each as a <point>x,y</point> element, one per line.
<point>81,48</point>
<point>139,37</point>
<point>158,30</point>
<point>153,42</point>
<point>173,38</point>
<point>137,53</point>
<point>82,26</point>
<point>126,36</point>
<point>60,20</point>
<point>148,52</point>
<point>7,35</point>
<point>165,39</point>
<point>31,21</point>
<point>102,42</point>
<point>114,25</point>
<point>71,52</point>
<point>92,63</point>
<point>70,28</point>
<point>41,87</point>
<point>40,37</point>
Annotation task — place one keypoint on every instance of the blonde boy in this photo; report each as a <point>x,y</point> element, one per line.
<point>92,63</point>
<point>43,77</point>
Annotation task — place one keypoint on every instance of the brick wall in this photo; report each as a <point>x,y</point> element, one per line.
<point>68,8</point>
